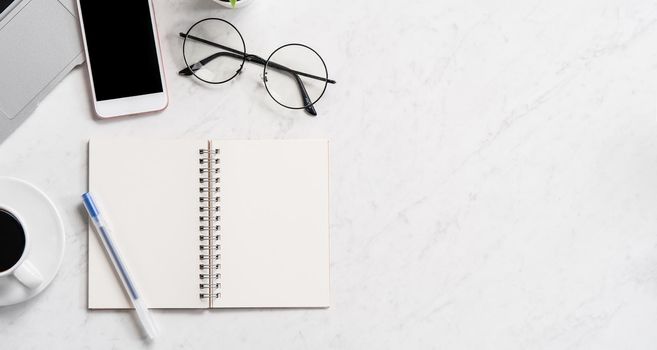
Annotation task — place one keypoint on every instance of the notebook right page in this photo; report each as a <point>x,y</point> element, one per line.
<point>274,223</point>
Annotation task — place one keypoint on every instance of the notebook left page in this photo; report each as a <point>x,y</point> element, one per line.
<point>149,193</point>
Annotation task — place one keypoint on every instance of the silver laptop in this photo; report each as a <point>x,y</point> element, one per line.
<point>39,44</point>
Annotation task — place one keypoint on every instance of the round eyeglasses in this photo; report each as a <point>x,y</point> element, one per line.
<point>294,75</point>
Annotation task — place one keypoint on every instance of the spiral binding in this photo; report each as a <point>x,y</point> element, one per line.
<point>209,228</point>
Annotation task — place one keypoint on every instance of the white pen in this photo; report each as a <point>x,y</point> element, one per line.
<point>122,270</point>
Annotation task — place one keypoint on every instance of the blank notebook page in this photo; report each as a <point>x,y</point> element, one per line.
<point>274,223</point>
<point>148,192</point>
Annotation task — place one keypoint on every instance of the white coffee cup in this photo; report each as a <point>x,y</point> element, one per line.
<point>22,269</point>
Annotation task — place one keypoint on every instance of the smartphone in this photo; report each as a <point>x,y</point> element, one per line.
<point>123,57</point>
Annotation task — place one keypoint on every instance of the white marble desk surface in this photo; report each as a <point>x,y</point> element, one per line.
<point>494,177</point>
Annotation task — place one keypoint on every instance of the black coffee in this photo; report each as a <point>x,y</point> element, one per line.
<point>12,240</point>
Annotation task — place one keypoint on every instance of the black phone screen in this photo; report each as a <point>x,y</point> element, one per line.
<point>4,4</point>
<point>121,45</point>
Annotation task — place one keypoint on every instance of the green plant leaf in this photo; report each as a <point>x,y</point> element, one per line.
<point>233,3</point>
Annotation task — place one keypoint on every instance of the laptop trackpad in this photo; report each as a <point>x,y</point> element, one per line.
<point>36,45</point>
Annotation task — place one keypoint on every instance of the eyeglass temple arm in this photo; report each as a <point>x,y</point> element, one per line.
<point>208,42</point>
<point>310,107</point>
<point>255,59</point>
<point>197,65</point>
<point>272,64</point>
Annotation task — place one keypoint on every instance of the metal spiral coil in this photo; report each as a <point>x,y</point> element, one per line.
<point>209,228</point>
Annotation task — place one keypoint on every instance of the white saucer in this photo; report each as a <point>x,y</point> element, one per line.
<point>46,237</point>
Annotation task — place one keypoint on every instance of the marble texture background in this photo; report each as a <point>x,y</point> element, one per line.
<point>493,163</point>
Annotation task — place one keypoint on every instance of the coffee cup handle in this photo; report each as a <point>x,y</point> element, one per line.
<point>28,275</point>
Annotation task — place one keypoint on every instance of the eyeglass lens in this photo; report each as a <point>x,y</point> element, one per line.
<point>214,50</point>
<point>303,83</point>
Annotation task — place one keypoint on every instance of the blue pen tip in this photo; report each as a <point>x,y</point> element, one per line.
<point>88,202</point>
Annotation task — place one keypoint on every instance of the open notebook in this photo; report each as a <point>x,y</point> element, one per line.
<point>212,224</point>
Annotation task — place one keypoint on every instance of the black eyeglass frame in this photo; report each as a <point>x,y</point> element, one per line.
<point>244,57</point>
<point>186,35</point>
